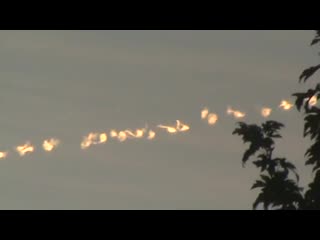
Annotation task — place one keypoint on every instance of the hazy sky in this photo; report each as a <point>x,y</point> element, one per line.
<point>65,84</point>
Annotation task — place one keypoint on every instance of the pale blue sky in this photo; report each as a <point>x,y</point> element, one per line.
<point>66,83</point>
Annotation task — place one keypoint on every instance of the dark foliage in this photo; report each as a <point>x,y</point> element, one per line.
<point>311,130</point>
<point>277,189</point>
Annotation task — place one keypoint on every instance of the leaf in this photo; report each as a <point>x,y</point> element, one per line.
<point>288,166</point>
<point>239,129</point>
<point>272,125</point>
<point>270,128</point>
<point>313,154</point>
<point>315,41</point>
<point>258,200</point>
<point>265,178</point>
<point>264,163</point>
<point>316,167</point>
<point>268,143</point>
<point>300,99</point>
<point>312,125</point>
<point>307,73</point>
<point>276,136</point>
<point>258,184</point>
<point>252,150</point>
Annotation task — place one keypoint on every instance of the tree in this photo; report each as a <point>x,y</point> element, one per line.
<point>278,180</point>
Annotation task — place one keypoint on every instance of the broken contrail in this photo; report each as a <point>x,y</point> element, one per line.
<point>96,138</point>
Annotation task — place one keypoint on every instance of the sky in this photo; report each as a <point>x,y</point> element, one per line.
<point>65,84</point>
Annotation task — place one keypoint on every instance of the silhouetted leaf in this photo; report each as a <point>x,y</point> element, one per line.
<point>307,73</point>
<point>315,41</point>
<point>258,184</point>
<point>299,99</point>
<point>287,166</point>
<point>302,98</point>
<point>267,143</point>
<point>316,167</point>
<point>252,150</point>
<point>272,126</point>
<point>265,163</point>
<point>276,136</point>
<point>312,125</point>
<point>257,201</point>
<point>265,178</point>
<point>313,154</point>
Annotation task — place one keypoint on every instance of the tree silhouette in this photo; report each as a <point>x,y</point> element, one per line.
<point>278,182</point>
